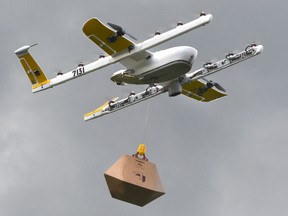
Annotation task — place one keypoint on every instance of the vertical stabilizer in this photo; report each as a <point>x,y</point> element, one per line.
<point>32,69</point>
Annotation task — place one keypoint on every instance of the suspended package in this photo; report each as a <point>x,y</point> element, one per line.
<point>134,180</point>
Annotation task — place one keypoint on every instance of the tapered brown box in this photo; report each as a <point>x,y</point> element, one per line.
<point>134,180</point>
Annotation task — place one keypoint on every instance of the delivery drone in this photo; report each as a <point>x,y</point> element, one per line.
<point>163,71</point>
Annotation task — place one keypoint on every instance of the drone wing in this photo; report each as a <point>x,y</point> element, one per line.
<point>201,91</point>
<point>122,50</point>
<point>114,43</point>
<point>108,40</point>
<point>101,35</point>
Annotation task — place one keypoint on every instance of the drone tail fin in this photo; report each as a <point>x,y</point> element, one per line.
<point>32,69</point>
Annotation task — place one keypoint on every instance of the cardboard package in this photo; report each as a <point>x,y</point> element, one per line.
<point>134,180</point>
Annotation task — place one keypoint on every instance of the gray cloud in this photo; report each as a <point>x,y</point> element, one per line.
<point>222,158</point>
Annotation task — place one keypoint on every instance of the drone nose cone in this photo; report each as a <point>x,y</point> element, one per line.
<point>193,51</point>
<point>189,54</point>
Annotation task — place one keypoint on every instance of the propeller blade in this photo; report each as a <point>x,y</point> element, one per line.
<point>120,30</point>
<point>116,27</point>
<point>218,86</point>
<point>211,83</point>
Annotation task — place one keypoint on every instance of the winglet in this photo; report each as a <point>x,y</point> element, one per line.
<point>23,50</point>
<point>32,69</point>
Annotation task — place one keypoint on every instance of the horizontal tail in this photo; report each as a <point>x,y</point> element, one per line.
<point>203,90</point>
<point>32,69</point>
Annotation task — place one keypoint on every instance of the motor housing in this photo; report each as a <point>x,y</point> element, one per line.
<point>175,88</point>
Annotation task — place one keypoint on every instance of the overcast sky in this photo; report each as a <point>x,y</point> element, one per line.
<point>227,157</point>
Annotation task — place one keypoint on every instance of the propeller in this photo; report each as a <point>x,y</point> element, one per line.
<point>210,84</point>
<point>218,86</point>
<point>120,31</point>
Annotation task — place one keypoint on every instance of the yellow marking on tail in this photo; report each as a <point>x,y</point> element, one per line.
<point>32,69</point>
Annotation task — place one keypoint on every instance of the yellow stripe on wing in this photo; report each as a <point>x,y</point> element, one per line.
<point>101,107</point>
<point>192,90</point>
<point>99,33</point>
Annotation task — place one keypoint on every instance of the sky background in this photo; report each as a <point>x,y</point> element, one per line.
<point>227,157</point>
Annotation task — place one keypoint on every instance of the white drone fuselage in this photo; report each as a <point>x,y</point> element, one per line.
<point>158,67</point>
